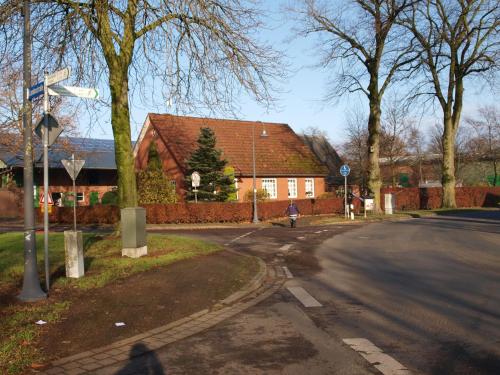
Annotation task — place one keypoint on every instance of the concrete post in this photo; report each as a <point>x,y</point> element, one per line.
<point>73,249</point>
<point>133,221</point>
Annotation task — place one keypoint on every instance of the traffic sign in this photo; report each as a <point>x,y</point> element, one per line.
<point>73,167</point>
<point>35,91</point>
<point>58,76</point>
<point>54,129</point>
<point>195,179</point>
<point>345,170</point>
<point>49,200</point>
<point>81,92</point>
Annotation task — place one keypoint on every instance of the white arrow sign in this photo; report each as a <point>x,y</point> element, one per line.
<point>81,92</point>
<point>58,76</point>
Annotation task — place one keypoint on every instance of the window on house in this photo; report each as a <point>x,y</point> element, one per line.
<point>292,188</point>
<point>310,187</point>
<point>237,189</point>
<point>269,185</point>
<point>173,183</point>
<point>80,197</point>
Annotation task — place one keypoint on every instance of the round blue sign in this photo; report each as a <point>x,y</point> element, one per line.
<point>345,170</point>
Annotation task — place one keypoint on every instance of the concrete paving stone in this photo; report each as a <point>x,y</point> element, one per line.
<point>72,358</point>
<point>54,371</point>
<point>91,366</point>
<point>87,360</point>
<point>121,357</point>
<point>101,356</point>
<point>157,330</point>
<point>108,361</point>
<point>75,371</point>
<point>114,351</point>
<point>199,313</point>
<point>70,365</point>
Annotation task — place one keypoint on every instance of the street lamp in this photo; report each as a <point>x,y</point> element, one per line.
<point>263,135</point>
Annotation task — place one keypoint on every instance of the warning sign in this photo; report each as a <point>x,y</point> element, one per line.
<point>50,201</point>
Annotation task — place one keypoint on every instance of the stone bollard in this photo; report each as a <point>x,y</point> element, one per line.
<point>73,249</point>
<point>133,220</point>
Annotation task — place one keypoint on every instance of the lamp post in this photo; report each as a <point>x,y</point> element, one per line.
<point>255,213</point>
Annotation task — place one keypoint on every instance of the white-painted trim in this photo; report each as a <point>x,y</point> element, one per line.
<point>142,134</point>
<point>294,180</point>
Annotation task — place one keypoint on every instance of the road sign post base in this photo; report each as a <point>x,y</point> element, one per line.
<point>73,249</point>
<point>133,222</point>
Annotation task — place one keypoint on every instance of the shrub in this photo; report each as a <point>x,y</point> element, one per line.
<point>68,199</point>
<point>110,198</point>
<point>94,198</point>
<point>262,195</point>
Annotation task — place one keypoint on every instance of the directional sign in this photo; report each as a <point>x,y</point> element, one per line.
<point>81,92</point>
<point>73,167</point>
<point>35,91</point>
<point>195,179</point>
<point>345,170</point>
<point>58,76</point>
<point>54,129</point>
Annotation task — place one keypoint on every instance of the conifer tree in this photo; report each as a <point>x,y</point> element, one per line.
<point>207,161</point>
<point>152,183</point>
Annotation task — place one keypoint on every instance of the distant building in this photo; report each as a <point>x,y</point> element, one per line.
<point>97,176</point>
<point>285,166</point>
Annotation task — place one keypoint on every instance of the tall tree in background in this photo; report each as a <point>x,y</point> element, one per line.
<point>215,185</point>
<point>362,40</point>
<point>485,143</point>
<point>458,39</point>
<point>203,51</point>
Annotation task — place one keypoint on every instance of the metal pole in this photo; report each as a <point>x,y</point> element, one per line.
<point>74,192</point>
<point>31,290</point>
<point>255,214</point>
<point>46,180</point>
<point>345,197</point>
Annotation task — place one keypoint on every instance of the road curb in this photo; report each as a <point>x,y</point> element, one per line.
<point>266,282</point>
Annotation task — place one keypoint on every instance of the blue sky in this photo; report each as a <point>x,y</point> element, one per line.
<point>300,103</point>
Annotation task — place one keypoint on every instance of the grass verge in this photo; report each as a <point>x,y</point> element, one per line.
<point>103,264</point>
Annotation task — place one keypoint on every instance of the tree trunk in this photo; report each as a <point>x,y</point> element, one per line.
<point>448,178</point>
<point>374,182</point>
<point>120,120</point>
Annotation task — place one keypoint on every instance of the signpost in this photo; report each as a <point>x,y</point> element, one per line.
<point>195,182</point>
<point>344,171</point>
<point>73,167</point>
<point>48,129</point>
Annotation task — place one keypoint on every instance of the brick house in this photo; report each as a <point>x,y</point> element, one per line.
<point>285,166</point>
<point>97,176</point>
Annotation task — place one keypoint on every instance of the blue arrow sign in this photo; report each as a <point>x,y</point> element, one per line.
<point>345,170</point>
<point>36,91</point>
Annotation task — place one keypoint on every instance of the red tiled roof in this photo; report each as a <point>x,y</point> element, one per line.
<point>281,153</point>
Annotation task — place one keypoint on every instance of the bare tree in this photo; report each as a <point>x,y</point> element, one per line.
<point>458,39</point>
<point>203,52</point>
<point>485,143</point>
<point>361,41</point>
<point>354,150</point>
<point>416,147</point>
<point>396,124</point>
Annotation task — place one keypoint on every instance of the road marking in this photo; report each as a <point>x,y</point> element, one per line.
<point>239,237</point>
<point>286,247</point>
<point>373,354</point>
<point>301,238</point>
<point>305,298</point>
<point>287,272</point>
<point>325,230</point>
<point>319,231</point>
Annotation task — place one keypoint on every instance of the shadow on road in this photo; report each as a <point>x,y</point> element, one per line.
<point>142,361</point>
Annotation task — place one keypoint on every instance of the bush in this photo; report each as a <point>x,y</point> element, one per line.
<point>262,195</point>
<point>68,199</point>
<point>110,198</point>
<point>94,198</point>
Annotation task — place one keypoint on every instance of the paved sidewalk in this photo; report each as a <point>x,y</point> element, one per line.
<point>265,283</point>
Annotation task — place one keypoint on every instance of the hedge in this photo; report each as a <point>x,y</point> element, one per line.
<point>218,212</point>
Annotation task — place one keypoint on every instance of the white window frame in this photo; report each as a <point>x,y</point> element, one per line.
<point>292,191</point>
<point>273,194</point>
<point>237,189</point>
<point>82,197</point>
<point>309,189</point>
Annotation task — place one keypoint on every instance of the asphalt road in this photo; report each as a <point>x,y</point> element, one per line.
<point>426,292</point>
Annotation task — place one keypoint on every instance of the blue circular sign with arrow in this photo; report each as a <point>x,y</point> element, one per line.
<point>345,170</point>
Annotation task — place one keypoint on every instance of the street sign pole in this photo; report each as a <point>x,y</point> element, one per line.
<point>345,197</point>
<point>46,181</point>
<point>74,192</point>
<point>31,290</point>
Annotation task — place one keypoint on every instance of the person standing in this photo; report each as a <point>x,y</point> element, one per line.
<point>293,213</point>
